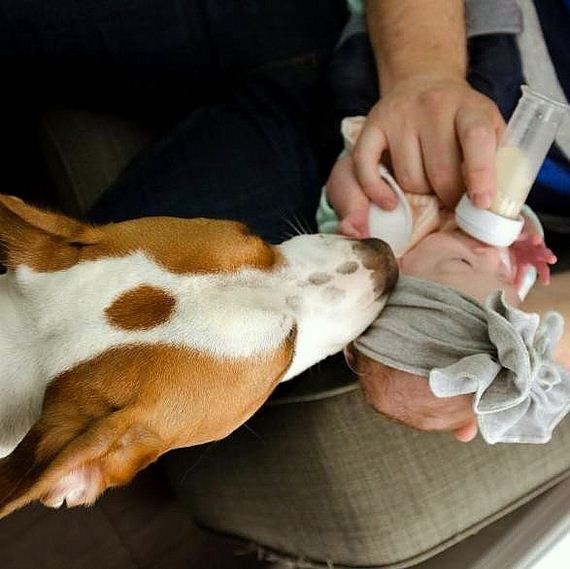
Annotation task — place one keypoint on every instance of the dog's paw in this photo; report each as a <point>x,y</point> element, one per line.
<point>78,488</point>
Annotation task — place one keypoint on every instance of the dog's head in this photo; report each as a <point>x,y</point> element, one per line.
<point>161,333</point>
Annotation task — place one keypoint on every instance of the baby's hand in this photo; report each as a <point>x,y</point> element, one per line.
<point>529,250</point>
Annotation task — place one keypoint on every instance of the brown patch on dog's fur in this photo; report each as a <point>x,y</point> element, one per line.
<point>186,245</point>
<point>47,242</point>
<point>38,239</point>
<point>141,308</point>
<point>108,418</point>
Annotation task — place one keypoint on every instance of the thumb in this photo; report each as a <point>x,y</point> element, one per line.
<point>348,200</point>
<point>355,224</point>
<point>367,154</point>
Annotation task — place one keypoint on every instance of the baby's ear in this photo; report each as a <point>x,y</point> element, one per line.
<point>60,462</point>
<point>40,239</point>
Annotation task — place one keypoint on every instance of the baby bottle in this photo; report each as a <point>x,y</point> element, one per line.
<point>522,149</point>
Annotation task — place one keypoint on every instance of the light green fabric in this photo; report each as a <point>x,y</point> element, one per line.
<point>356,6</point>
<point>327,219</point>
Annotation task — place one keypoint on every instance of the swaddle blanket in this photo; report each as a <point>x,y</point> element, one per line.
<point>499,353</point>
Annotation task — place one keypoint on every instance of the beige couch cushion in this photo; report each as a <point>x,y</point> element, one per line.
<point>328,480</point>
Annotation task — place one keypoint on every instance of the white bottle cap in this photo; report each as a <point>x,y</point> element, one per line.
<point>487,226</point>
<point>395,226</point>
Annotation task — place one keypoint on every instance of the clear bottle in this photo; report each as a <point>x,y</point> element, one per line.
<point>522,149</point>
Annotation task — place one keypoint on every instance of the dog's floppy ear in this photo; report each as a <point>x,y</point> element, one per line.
<point>38,238</point>
<point>75,461</point>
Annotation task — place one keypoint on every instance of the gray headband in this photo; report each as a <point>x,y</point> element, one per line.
<point>499,353</point>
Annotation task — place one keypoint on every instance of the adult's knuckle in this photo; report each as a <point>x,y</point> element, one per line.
<point>473,173</point>
<point>411,184</point>
<point>395,106</point>
<point>442,178</point>
<point>487,105</point>
<point>477,132</point>
<point>475,169</point>
<point>434,101</point>
<point>359,156</point>
<point>375,127</point>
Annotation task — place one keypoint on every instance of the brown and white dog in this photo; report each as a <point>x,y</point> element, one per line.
<point>121,342</point>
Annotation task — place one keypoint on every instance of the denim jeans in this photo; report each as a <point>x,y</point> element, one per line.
<point>238,82</point>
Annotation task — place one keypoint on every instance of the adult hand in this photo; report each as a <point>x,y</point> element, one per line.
<point>438,134</point>
<point>407,399</point>
<point>441,136</point>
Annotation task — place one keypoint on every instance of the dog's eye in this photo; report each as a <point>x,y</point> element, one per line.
<point>79,244</point>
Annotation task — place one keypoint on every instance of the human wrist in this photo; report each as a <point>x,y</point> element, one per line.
<point>406,43</point>
<point>421,77</point>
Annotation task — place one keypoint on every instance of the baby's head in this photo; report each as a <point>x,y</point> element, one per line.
<point>452,258</point>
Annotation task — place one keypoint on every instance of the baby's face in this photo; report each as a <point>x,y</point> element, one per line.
<point>452,258</point>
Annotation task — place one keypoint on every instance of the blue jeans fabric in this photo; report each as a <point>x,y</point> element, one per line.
<point>238,82</point>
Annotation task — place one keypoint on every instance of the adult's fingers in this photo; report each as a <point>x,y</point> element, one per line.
<point>354,221</point>
<point>349,201</point>
<point>477,132</point>
<point>369,148</point>
<point>355,224</point>
<point>406,158</point>
<point>442,159</point>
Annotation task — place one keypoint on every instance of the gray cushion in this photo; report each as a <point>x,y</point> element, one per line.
<point>328,480</point>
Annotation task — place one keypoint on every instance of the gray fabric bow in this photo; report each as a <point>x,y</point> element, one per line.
<point>502,355</point>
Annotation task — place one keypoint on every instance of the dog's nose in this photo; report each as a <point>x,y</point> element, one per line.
<point>377,256</point>
<point>376,245</point>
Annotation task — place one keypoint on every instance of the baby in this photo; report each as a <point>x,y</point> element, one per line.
<point>441,253</point>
